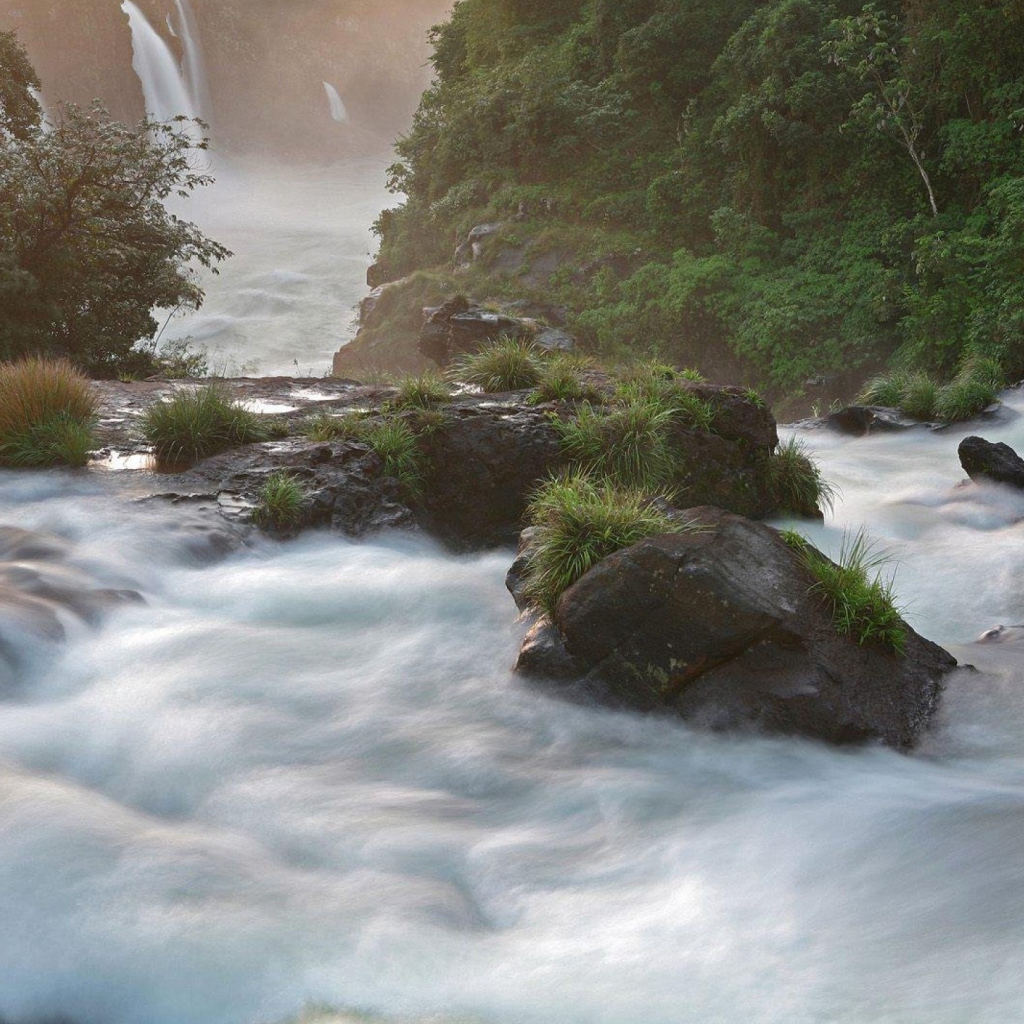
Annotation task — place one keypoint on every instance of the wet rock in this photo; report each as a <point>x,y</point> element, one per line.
<point>859,420</point>
<point>722,626</point>
<point>994,461</point>
<point>458,328</point>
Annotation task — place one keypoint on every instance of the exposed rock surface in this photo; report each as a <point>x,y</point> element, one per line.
<point>482,459</point>
<point>867,419</point>
<point>722,626</point>
<point>987,460</point>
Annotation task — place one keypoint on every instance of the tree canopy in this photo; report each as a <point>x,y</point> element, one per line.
<point>88,248</point>
<point>798,187</point>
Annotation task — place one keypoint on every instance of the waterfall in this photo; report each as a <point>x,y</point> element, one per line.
<point>192,62</point>
<point>338,111</point>
<point>164,84</point>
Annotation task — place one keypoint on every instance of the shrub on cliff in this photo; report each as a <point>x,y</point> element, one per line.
<point>199,422</point>
<point>47,409</point>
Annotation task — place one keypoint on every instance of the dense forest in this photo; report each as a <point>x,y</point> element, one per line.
<point>782,190</point>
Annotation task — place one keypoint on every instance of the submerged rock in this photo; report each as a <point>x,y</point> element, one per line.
<point>988,460</point>
<point>722,626</point>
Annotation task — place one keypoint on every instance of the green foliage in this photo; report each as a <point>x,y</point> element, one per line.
<point>861,599</point>
<point>796,482</point>
<point>196,423</point>
<point>47,412</point>
<point>974,388</point>
<point>885,389</point>
<point>281,500</point>
<point>508,364</point>
<point>579,522</point>
<point>398,447</point>
<point>421,392</point>
<point>797,189</point>
<point>963,398</point>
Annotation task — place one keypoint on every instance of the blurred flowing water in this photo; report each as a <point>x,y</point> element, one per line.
<point>306,775</point>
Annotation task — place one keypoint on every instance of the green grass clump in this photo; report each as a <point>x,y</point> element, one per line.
<point>628,443</point>
<point>796,482</point>
<point>198,423</point>
<point>398,447</point>
<point>579,522</point>
<point>562,380</point>
<point>322,426</point>
<point>861,599</point>
<point>505,365</point>
<point>974,388</point>
<point>886,389</point>
<point>423,392</point>
<point>281,501</point>
<point>668,392</point>
<point>919,398</point>
<point>47,412</point>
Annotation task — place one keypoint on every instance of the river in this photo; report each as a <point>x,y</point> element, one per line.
<point>306,775</point>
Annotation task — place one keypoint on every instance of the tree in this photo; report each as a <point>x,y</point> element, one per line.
<point>87,247</point>
<point>19,109</point>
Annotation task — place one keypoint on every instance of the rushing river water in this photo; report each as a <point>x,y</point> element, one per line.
<point>306,774</point>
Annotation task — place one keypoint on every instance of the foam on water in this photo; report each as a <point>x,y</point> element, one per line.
<point>307,774</point>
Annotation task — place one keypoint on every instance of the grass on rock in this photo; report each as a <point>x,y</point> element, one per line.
<point>562,379</point>
<point>281,501</point>
<point>508,364</point>
<point>796,481</point>
<point>861,599</point>
<point>398,447</point>
<point>47,412</point>
<point>579,522</point>
<point>322,426</point>
<point>423,392</point>
<point>197,423</point>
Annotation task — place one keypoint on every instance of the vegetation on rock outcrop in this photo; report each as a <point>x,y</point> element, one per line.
<point>779,190</point>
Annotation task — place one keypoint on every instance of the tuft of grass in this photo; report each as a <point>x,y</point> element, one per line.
<point>796,482</point>
<point>428,422</point>
<point>688,409</point>
<point>861,599</point>
<point>322,426</point>
<point>579,522</point>
<point>629,443</point>
<point>423,392</point>
<point>398,447</point>
<point>195,424</point>
<point>562,380</point>
<point>281,501</point>
<point>692,374</point>
<point>974,388</point>
<point>505,365</point>
<point>920,394</point>
<point>277,427</point>
<point>47,412</point>
<point>885,389</point>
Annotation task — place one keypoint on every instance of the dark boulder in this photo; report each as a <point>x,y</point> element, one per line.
<point>859,420</point>
<point>987,460</point>
<point>721,626</point>
<point>456,328</point>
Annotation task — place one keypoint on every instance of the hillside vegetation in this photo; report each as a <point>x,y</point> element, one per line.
<point>779,190</point>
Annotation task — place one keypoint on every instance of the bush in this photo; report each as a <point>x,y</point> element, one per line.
<point>629,443</point>
<point>399,450</point>
<point>423,392</point>
<point>47,411</point>
<point>579,522</point>
<point>281,501</point>
<point>862,602</point>
<point>505,365</point>
<point>974,388</point>
<point>197,423</point>
<point>796,482</point>
<point>920,394</point>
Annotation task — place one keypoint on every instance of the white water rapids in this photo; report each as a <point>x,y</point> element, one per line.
<point>306,775</point>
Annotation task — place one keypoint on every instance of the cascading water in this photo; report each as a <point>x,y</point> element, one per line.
<point>336,104</point>
<point>306,774</point>
<point>193,66</point>
<point>167,88</point>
